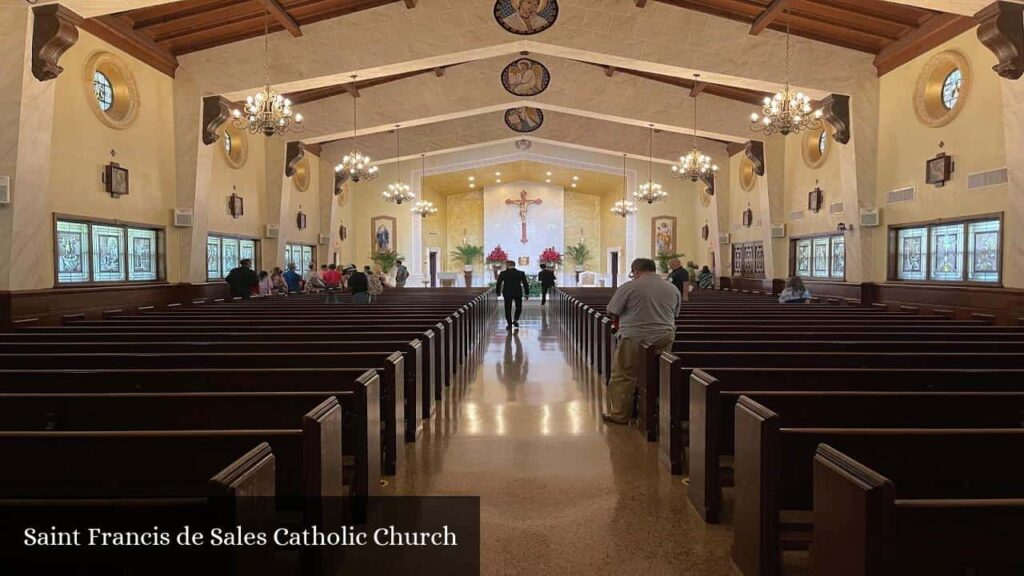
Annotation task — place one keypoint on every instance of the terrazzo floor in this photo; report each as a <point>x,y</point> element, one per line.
<point>561,492</point>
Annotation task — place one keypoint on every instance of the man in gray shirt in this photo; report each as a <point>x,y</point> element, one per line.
<point>645,311</point>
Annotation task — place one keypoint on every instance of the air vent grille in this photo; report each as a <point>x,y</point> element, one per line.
<point>901,195</point>
<point>987,179</point>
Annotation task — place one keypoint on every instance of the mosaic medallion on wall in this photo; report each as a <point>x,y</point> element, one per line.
<point>524,118</point>
<point>526,17</point>
<point>525,77</point>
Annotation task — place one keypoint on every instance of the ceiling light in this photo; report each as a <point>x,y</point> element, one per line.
<point>575,178</point>
<point>498,180</point>
<point>623,207</point>
<point>695,165</point>
<point>787,111</point>
<point>497,173</point>
<point>471,178</point>
<point>398,191</point>
<point>650,192</point>
<point>573,184</point>
<point>549,174</point>
<point>267,112</point>
<point>355,166</point>
<point>548,180</point>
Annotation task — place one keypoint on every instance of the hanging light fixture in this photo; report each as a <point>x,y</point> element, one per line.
<point>650,191</point>
<point>355,166</point>
<point>398,191</point>
<point>695,165</point>
<point>423,208</point>
<point>787,112</point>
<point>624,207</point>
<point>267,112</point>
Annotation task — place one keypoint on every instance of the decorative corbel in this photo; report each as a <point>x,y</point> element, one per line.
<point>216,111</point>
<point>835,109</point>
<point>339,182</point>
<point>54,30</point>
<point>709,182</point>
<point>1001,29</point>
<point>294,153</point>
<point>755,153</point>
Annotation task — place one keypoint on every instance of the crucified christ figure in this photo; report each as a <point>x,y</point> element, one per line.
<point>524,206</point>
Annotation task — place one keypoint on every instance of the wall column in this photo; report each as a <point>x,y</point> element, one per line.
<point>275,195</point>
<point>1013,221</point>
<point>25,156</point>
<point>194,164</point>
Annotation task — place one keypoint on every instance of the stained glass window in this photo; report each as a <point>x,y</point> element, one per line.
<point>72,252</point>
<point>103,91</point>
<point>951,89</point>
<point>912,253</point>
<point>307,258</point>
<point>142,250</point>
<point>213,258</point>
<point>822,142</point>
<point>108,253</point>
<point>228,254</point>
<point>247,250</point>
<point>950,252</point>
<point>838,263</point>
<point>820,258</point>
<point>99,252</point>
<point>947,245</point>
<point>803,257</point>
<point>227,142</point>
<point>983,251</point>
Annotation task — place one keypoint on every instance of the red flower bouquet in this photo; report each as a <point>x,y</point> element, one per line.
<point>497,256</point>
<point>550,256</point>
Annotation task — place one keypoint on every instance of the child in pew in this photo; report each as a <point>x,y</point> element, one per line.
<point>795,292</point>
<point>266,286</point>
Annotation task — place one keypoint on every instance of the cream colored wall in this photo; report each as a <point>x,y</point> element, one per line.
<point>309,202</point>
<point>678,204</point>
<point>739,199</point>
<point>465,223</point>
<point>583,224</point>
<point>435,230</point>
<point>800,179</point>
<point>82,147</point>
<point>248,181</point>
<point>974,139</point>
<point>614,234</point>
<point>701,215</point>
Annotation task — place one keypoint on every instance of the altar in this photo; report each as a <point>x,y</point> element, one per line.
<point>524,218</point>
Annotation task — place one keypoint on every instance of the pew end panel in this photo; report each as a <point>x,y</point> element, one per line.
<point>850,515</point>
<point>755,549</point>
<point>672,433</point>
<point>647,393</point>
<point>705,488</point>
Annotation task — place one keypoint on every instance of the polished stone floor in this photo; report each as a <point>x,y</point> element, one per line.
<point>561,492</point>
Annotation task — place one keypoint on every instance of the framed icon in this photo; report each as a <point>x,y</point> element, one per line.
<point>116,179</point>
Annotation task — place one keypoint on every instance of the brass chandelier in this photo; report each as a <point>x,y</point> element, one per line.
<point>624,207</point>
<point>268,112</point>
<point>787,112</point>
<point>650,192</point>
<point>355,165</point>
<point>423,208</point>
<point>398,191</point>
<point>695,165</point>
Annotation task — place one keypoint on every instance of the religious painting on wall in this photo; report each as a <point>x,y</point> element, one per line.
<point>526,17</point>
<point>524,118</point>
<point>383,230</point>
<point>525,77</point>
<point>663,235</point>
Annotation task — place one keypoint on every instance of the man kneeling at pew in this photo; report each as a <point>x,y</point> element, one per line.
<point>644,312</point>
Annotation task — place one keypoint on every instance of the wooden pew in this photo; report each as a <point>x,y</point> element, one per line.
<point>874,521</point>
<point>358,392</point>
<point>774,469</point>
<point>66,485</point>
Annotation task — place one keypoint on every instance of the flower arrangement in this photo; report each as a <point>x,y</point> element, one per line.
<point>497,256</point>
<point>550,256</point>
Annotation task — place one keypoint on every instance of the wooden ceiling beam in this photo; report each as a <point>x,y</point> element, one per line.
<point>609,71</point>
<point>697,88</point>
<point>351,89</point>
<point>439,71</point>
<point>768,16</point>
<point>641,3</point>
<point>117,32</point>
<point>936,30</point>
<point>283,17</point>
<point>410,4</point>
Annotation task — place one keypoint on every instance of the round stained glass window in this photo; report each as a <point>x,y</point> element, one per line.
<point>102,89</point>
<point>227,142</point>
<point>951,89</point>
<point>822,141</point>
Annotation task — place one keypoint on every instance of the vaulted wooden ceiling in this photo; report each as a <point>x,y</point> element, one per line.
<point>895,33</point>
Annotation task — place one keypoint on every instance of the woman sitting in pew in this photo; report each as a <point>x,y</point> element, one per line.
<point>795,292</point>
<point>705,280</point>
<point>266,285</point>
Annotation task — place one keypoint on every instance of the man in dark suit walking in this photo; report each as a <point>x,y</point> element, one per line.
<point>513,287</point>
<point>547,282</point>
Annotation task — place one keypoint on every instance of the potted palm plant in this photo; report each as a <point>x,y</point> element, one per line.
<point>664,258</point>
<point>468,255</point>
<point>386,260</point>
<point>579,255</point>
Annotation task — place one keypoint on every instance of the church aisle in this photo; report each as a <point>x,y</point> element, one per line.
<point>561,493</point>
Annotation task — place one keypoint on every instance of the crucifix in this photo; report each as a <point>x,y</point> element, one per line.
<point>524,206</point>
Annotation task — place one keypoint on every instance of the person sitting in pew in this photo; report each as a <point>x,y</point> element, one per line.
<point>266,286</point>
<point>292,278</point>
<point>359,284</point>
<point>374,283</point>
<point>332,282</point>
<point>645,312</point>
<point>242,279</point>
<point>795,292</point>
<point>705,280</point>
<point>312,281</point>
